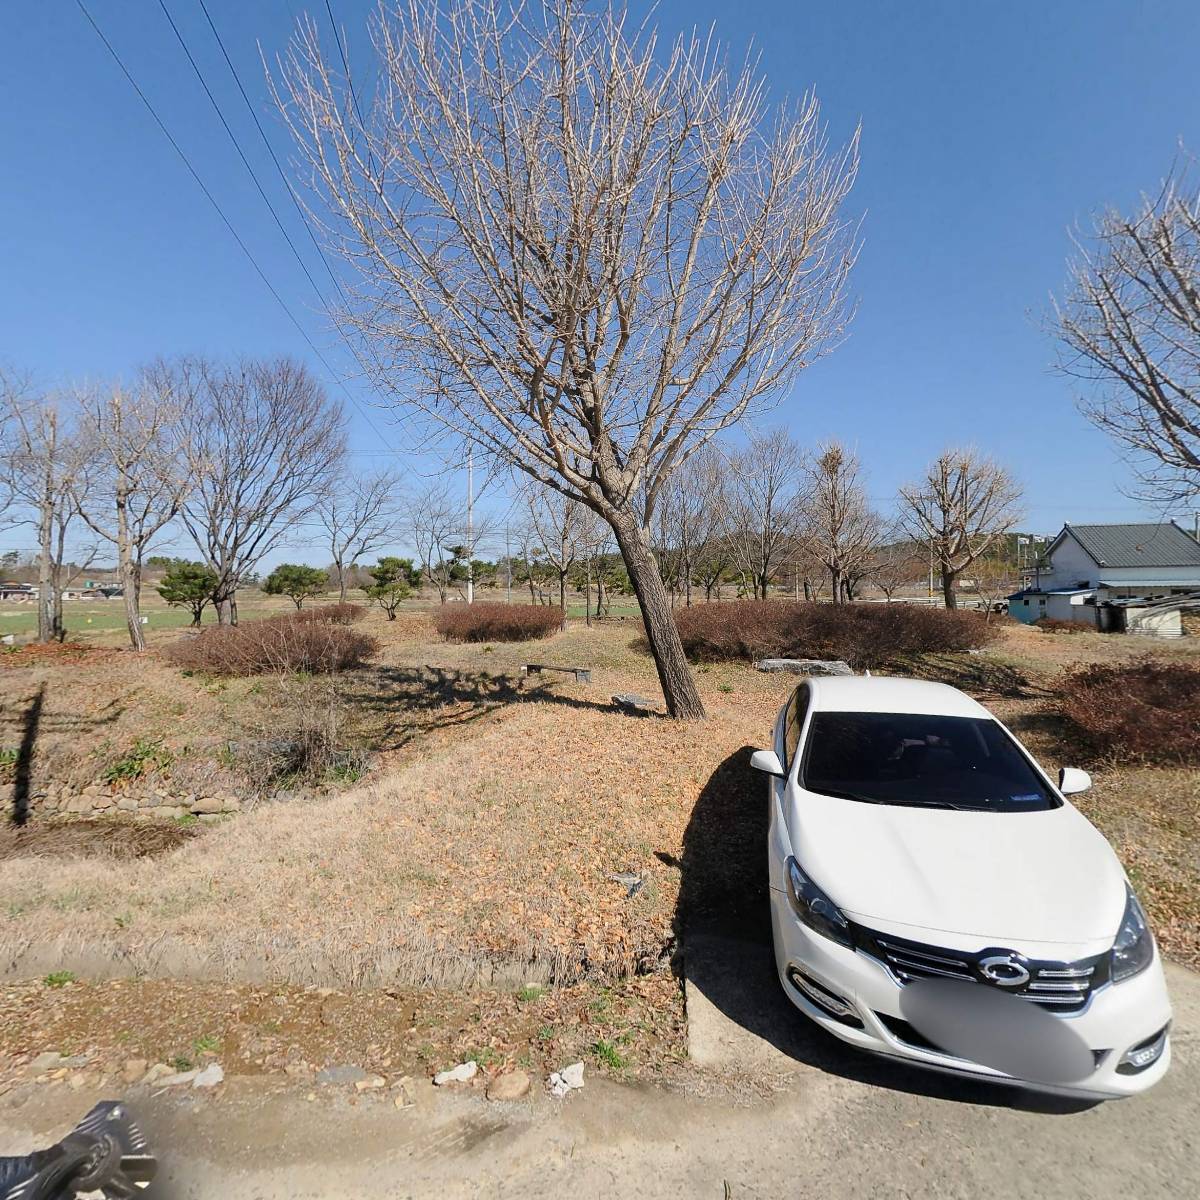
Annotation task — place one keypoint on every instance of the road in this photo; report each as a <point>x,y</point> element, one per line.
<point>839,1125</point>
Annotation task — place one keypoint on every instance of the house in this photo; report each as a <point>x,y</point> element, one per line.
<point>1118,578</point>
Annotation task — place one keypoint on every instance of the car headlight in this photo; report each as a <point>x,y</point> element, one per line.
<point>1134,947</point>
<point>815,909</point>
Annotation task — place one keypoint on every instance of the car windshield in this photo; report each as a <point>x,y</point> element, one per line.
<point>921,760</point>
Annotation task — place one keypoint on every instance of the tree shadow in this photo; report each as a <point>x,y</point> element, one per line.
<point>23,767</point>
<point>723,931</point>
<point>419,700</point>
<point>976,674</point>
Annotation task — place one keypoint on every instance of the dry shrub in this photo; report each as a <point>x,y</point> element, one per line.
<point>1054,625</point>
<point>274,646</point>
<point>336,614</point>
<point>1147,711</point>
<point>497,622</point>
<point>864,635</point>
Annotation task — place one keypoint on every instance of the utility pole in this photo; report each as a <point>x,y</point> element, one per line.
<point>470,524</point>
<point>507,563</point>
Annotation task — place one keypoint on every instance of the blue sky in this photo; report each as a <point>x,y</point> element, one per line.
<point>988,130</point>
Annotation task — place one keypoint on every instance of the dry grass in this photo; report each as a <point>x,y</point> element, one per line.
<point>481,846</point>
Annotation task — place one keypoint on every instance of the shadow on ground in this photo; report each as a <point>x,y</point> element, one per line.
<point>722,925</point>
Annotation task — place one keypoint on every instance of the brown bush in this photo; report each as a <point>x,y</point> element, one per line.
<point>483,622</point>
<point>273,646</point>
<point>1054,625</point>
<point>864,635</point>
<point>335,614</point>
<point>1147,711</point>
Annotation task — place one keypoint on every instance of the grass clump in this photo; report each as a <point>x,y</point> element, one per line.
<point>1147,711</point>
<point>147,754</point>
<point>491,622</point>
<point>301,642</point>
<point>59,979</point>
<point>863,635</point>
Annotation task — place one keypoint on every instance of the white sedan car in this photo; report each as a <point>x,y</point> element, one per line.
<point>912,839</point>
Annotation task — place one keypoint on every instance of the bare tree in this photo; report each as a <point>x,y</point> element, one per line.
<point>134,480</point>
<point>692,513</point>
<point>964,503</point>
<point>437,531</point>
<point>358,514</point>
<point>594,542</point>
<point>584,252</point>
<point>994,577</point>
<point>557,523</point>
<point>766,502</point>
<point>41,456</point>
<point>263,443</point>
<point>1129,324</point>
<point>894,564</point>
<point>837,521</point>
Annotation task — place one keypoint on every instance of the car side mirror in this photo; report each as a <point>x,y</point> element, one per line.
<point>1072,781</point>
<point>767,761</point>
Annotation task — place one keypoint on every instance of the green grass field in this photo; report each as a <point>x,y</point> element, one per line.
<point>86,619</point>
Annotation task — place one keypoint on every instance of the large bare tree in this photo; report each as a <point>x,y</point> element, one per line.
<point>1129,324</point>
<point>358,514</point>
<point>837,523</point>
<point>40,455</point>
<point>766,503</point>
<point>134,479</point>
<point>962,506</point>
<point>557,523</point>
<point>263,443</point>
<point>580,249</point>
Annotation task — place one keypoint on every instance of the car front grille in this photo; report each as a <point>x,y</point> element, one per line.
<point>1061,987</point>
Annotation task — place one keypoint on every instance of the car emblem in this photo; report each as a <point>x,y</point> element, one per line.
<point>1004,970</point>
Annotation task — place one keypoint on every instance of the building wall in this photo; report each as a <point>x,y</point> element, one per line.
<point>1072,566</point>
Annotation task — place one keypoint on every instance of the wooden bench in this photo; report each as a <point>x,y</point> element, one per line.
<point>582,674</point>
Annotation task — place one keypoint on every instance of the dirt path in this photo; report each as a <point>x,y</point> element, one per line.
<point>844,1126</point>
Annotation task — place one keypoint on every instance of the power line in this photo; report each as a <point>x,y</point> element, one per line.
<point>337,37</point>
<point>221,213</point>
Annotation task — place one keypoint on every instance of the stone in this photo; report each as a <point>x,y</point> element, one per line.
<point>78,1080</point>
<point>133,1070</point>
<point>156,1073</point>
<point>406,1092</point>
<point>207,805</point>
<point>804,666</point>
<point>297,1070</point>
<point>103,802</point>
<point>342,1073</point>
<point>81,804</point>
<point>209,1077</point>
<point>569,1079</point>
<point>512,1085</point>
<point>127,804</point>
<point>46,1061</point>
<point>630,702</point>
<point>231,804</point>
<point>177,1078</point>
<point>463,1073</point>
<point>372,1083</point>
<point>161,810</point>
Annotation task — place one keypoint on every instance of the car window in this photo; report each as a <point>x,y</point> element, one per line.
<point>921,760</point>
<point>795,722</point>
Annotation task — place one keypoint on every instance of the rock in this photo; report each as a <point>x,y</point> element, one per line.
<point>342,1073</point>
<point>630,702</point>
<point>103,802</point>
<point>178,1078</point>
<point>569,1079</point>
<point>80,804</point>
<point>156,1072</point>
<point>161,810</point>
<point>463,1073</point>
<point>46,1061</point>
<point>231,804</point>
<point>406,1092</point>
<point>512,1085</point>
<point>297,1070</point>
<point>207,805</point>
<point>209,1077</point>
<point>804,666</point>
<point>127,804</point>
<point>372,1083</point>
<point>133,1070</point>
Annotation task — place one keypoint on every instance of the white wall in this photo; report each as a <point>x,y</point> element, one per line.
<point>1072,565</point>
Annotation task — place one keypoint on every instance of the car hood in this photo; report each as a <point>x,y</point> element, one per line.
<point>1031,876</point>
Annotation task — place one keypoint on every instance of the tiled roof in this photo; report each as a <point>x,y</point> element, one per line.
<point>1164,545</point>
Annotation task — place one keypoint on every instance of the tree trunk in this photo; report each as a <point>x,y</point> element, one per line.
<point>587,593</point>
<point>674,674</point>
<point>835,579</point>
<point>562,596</point>
<point>341,584</point>
<point>949,594</point>
<point>225,602</point>
<point>46,582</point>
